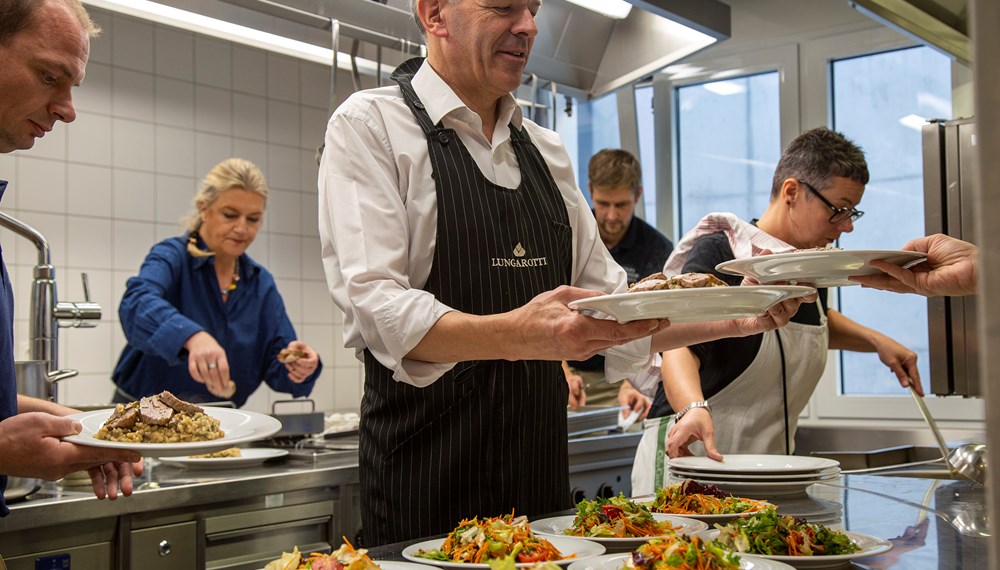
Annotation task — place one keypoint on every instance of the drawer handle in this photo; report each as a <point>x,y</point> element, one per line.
<point>164,548</point>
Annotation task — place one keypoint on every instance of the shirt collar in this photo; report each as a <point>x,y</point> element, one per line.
<point>440,100</point>
<point>3,187</point>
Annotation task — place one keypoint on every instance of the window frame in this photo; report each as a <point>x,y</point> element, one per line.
<point>805,96</point>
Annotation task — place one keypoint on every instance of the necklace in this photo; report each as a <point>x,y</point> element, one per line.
<point>236,277</point>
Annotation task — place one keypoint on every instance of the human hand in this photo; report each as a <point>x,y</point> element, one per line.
<point>577,395</point>
<point>696,425</point>
<point>109,478</point>
<point>549,330</point>
<point>30,446</point>
<point>776,316</point>
<point>302,367</point>
<point>638,402</point>
<point>950,269</point>
<point>901,360</point>
<point>207,364</point>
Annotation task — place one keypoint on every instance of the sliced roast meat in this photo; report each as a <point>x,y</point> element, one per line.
<point>695,280</point>
<point>154,412</point>
<point>176,403</point>
<point>289,355</point>
<point>123,417</point>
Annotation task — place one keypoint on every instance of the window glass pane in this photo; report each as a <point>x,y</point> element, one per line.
<point>647,150</point>
<point>879,101</point>
<point>729,141</point>
<point>590,127</point>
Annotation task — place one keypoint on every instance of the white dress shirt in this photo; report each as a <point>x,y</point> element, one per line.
<point>378,219</point>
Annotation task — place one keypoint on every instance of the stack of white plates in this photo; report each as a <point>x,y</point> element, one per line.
<point>756,476</point>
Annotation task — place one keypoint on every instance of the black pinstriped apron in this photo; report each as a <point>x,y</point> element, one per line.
<point>488,436</point>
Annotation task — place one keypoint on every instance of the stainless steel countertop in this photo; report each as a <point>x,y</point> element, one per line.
<point>57,503</point>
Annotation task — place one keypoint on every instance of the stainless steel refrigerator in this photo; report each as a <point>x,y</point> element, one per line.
<point>949,149</point>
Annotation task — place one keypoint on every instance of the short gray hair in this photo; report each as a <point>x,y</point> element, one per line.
<point>817,156</point>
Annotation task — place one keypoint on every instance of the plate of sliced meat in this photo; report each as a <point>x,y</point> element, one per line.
<point>165,426</point>
<point>688,298</point>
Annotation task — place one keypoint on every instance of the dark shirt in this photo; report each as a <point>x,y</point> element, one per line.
<point>176,295</point>
<point>722,361</point>
<point>642,251</point>
<point>8,383</point>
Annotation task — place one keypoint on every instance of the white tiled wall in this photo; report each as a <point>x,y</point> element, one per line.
<point>158,108</point>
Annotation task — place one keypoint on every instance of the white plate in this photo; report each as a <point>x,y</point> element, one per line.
<point>870,546</point>
<point>240,426</point>
<point>397,565</point>
<point>691,305</point>
<point>763,464</point>
<point>824,474</point>
<point>248,456</point>
<point>569,546</point>
<point>830,268</point>
<point>617,561</point>
<point>766,489</point>
<point>554,527</point>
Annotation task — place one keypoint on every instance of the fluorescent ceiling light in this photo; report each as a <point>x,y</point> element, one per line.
<point>617,9</point>
<point>724,87</point>
<point>915,122</point>
<point>223,30</point>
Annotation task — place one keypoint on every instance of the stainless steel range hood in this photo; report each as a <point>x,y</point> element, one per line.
<point>585,53</point>
<point>943,24</point>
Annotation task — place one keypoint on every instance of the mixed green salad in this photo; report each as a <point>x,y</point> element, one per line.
<point>775,535</point>
<point>616,517</point>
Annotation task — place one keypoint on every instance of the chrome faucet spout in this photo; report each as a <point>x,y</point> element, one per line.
<point>34,236</point>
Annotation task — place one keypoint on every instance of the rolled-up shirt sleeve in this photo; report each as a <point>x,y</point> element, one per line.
<point>364,230</point>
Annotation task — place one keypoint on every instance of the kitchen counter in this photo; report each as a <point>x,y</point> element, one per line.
<point>236,519</point>
<point>933,524</point>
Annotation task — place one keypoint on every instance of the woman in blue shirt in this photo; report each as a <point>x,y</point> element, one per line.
<point>201,318</point>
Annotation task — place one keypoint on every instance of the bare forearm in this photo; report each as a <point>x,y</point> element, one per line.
<point>29,404</point>
<point>687,334</point>
<point>681,379</point>
<point>846,334</point>
<point>457,337</point>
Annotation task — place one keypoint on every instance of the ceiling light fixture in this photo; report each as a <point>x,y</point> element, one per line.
<point>174,17</point>
<point>617,9</point>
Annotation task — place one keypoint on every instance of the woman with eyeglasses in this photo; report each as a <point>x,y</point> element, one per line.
<point>744,395</point>
<point>204,320</point>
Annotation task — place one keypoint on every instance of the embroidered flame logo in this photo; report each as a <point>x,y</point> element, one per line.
<point>519,251</point>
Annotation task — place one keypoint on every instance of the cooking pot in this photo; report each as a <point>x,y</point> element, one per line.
<point>34,379</point>
<point>20,487</point>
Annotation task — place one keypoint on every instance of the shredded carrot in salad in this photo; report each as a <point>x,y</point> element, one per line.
<point>616,517</point>
<point>681,552</point>
<point>476,542</point>
<point>768,533</point>
<point>693,498</point>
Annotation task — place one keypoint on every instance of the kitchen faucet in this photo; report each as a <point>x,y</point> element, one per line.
<point>48,314</point>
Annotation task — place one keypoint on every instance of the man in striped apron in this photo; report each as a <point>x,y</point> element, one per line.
<point>450,227</point>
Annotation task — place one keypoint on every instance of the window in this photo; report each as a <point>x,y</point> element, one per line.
<point>589,127</point>
<point>647,149</point>
<point>880,101</point>
<point>729,143</point>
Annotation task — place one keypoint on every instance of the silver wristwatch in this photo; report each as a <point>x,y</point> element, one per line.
<point>691,406</point>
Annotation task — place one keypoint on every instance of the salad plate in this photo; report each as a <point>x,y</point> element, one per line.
<point>556,527</point>
<point>571,547</point>
<point>756,464</point>
<point>399,565</point>
<point>691,305</point>
<point>618,561</point>
<point>870,546</point>
<point>248,456</point>
<point>240,426</point>
<point>763,488</point>
<point>819,268</point>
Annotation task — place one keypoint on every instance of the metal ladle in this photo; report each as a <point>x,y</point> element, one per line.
<point>967,460</point>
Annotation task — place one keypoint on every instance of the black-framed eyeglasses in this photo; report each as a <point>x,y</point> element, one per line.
<point>839,214</point>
